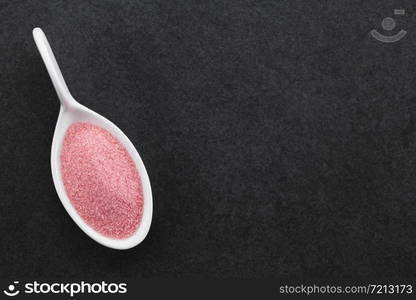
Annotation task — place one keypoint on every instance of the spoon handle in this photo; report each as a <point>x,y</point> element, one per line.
<point>53,69</point>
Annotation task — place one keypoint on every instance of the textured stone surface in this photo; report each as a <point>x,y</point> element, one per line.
<point>280,139</point>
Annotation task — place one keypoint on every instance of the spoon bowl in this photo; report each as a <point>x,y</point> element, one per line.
<point>72,112</point>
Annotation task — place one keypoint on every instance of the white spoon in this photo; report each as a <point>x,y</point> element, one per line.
<point>71,112</point>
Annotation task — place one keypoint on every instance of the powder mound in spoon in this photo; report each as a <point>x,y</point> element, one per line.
<point>101,180</point>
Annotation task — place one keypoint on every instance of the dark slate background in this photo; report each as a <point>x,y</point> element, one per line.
<point>280,138</point>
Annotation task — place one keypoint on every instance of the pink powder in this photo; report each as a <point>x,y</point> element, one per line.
<point>101,180</point>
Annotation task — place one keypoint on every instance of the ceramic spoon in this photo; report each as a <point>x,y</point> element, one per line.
<point>71,112</point>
